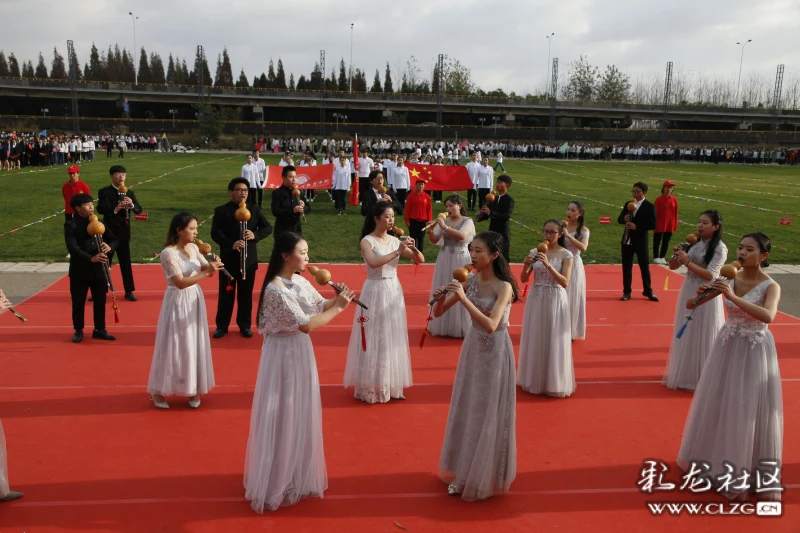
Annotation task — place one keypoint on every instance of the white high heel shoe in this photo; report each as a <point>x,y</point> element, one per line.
<point>161,405</point>
<point>194,404</point>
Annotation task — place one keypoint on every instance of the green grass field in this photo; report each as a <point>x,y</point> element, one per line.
<point>166,184</point>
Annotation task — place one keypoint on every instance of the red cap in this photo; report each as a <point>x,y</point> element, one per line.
<point>668,183</point>
<point>73,169</point>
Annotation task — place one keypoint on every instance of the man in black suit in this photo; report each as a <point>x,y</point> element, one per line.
<point>86,271</point>
<point>116,209</point>
<point>226,232</point>
<point>286,208</point>
<point>635,240</point>
<point>372,196</point>
<point>499,213</point>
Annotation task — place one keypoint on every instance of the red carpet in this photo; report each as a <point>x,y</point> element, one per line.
<point>91,453</point>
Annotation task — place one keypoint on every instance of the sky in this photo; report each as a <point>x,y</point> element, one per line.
<point>504,44</point>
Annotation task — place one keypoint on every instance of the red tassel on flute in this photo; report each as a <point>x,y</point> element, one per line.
<point>361,320</point>
<point>427,331</point>
<point>229,288</point>
<point>525,292</point>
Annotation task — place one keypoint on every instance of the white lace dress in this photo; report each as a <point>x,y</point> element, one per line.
<point>4,489</point>
<point>382,371</point>
<point>545,348</point>
<point>454,254</point>
<point>285,459</point>
<point>576,291</point>
<point>479,454</point>
<point>182,364</point>
<point>737,410</point>
<point>687,355</point>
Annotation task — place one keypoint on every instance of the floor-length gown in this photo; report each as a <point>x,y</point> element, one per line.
<point>736,414</point>
<point>545,348</point>
<point>479,454</point>
<point>182,364</point>
<point>285,459</point>
<point>4,489</point>
<point>576,291</point>
<point>687,355</point>
<point>453,254</point>
<point>380,372</point>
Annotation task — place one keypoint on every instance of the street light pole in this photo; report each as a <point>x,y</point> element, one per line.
<point>740,71</point>
<point>351,58</point>
<point>135,52</point>
<point>547,67</point>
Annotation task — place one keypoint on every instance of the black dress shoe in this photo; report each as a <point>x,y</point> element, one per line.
<point>130,297</point>
<point>220,333</point>
<point>650,296</point>
<point>103,335</point>
<point>78,337</point>
<point>625,297</point>
<point>246,333</point>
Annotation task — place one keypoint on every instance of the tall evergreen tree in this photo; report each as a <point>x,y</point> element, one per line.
<point>226,78</point>
<point>302,83</point>
<point>343,81</point>
<point>58,71</point>
<point>13,66</point>
<point>171,72</point>
<point>435,81</point>
<point>41,68</point>
<point>114,59</point>
<point>330,84</point>
<point>201,65</point>
<point>256,82</point>
<point>376,83</point>
<point>76,64</point>
<point>27,69</point>
<point>96,71</point>
<point>262,81</point>
<point>157,69</point>
<point>243,80</point>
<point>218,72</point>
<point>359,82</point>
<point>280,77</point>
<point>315,81</point>
<point>291,82</point>
<point>145,76</point>
<point>127,68</point>
<point>387,80</point>
<point>270,76</point>
<point>4,65</point>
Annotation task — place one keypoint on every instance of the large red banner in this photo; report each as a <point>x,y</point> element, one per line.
<point>318,177</point>
<point>440,177</point>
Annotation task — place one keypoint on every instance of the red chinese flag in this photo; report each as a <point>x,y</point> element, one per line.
<point>355,153</point>
<point>440,177</point>
<point>318,177</point>
<point>260,146</point>
<point>354,192</point>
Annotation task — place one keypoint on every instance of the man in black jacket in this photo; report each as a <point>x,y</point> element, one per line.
<point>288,209</point>
<point>499,213</point>
<point>116,209</point>
<point>635,240</point>
<point>372,196</point>
<point>226,232</point>
<point>86,270</point>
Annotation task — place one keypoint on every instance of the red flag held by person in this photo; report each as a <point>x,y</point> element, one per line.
<point>318,177</point>
<point>355,153</point>
<point>440,177</point>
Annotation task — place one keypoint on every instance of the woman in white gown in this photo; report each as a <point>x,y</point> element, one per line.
<point>380,372</point>
<point>545,348</point>
<point>736,416</point>
<point>6,494</point>
<point>577,239</point>
<point>182,364</point>
<point>454,235</point>
<point>703,260</point>
<point>479,453</point>
<point>285,460</point>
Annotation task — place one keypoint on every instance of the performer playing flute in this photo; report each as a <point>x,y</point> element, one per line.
<point>86,268</point>
<point>226,232</point>
<point>6,494</point>
<point>287,208</point>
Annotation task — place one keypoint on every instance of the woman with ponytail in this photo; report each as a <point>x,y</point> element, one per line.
<point>576,235</point>
<point>703,262</point>
<point>736,416</point>
<point>479,454</point>
<point>545,348</point>
<point>285,460</point>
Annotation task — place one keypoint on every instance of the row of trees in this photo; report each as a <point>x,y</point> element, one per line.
<point>579,81</point>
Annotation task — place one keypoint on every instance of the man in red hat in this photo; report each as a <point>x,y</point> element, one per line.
<point>72,187</point>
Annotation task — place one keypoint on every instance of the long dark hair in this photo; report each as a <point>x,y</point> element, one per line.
<point>284,244</point>
<point>377,212</point>
<point>179,221</point>
<point>456,200</point>
<point>494,242</point>
<point>763,243</point>
<point>716,218</point>
<point>562,241</point>
<point>579,229</point>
